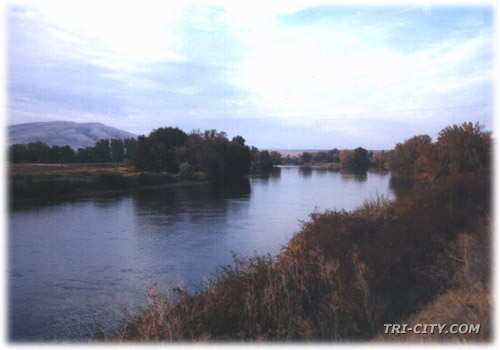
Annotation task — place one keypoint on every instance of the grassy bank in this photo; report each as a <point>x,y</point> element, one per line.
<point>48,180</point>
<point>423,258</point>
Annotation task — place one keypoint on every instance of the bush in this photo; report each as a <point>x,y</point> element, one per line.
<point>186,171</point>
<point>154,178</point>
<point>109,180</point>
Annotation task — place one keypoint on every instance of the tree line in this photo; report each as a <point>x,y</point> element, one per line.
<point>358,159</point>
<point>163,150</point>
<point>212,153</point>
<point>104,151</point>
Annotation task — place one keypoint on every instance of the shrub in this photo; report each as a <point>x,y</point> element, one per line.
<point>109,180</point>
<point>186,171</point>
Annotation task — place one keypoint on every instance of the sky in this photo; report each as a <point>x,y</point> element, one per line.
<point>283,74</point>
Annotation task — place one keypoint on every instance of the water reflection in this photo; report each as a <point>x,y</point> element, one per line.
<point>305,171</point>
<point>348,175</point>
<point>273,175</point>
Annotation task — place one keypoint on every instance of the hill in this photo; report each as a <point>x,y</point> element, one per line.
<point>63,133</point>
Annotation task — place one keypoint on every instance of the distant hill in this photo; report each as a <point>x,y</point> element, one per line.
<point>63,133</point>
<point>295,152</point>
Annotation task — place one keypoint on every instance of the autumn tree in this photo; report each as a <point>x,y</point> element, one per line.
<point>405,155</point>
<point>305,158</point>
<point>464,148</point>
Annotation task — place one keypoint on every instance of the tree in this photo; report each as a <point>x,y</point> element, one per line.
<point>405,155</point>
<point>102,151</point>
<point>263,161</point>
<point>320,157</point>
<point>333,156</point>
<point>305,157</point>
<point>38,152</point>
<point>360,159</point>
<point>214,149</point>
<point>379,159</point>
<point>346,157</point>
<point>129,145</point>
<point>85,155</point>
<point>62,154</point>
<point>117,150</point>
<point>160,150</point>
<point>237,160</point>
<point>194,153</point>
<point>142,158</point>
<point>276,156</point>
<point>464,148</point>
<point>18,153</point>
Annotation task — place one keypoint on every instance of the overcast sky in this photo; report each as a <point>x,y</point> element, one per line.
<point>283,74</point>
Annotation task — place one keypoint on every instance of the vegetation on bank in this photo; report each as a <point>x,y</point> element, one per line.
<point>104,151</point>
<point>51,180</point>
<point>424,257</point>
<point>164,156</point>
<point>358,159</point>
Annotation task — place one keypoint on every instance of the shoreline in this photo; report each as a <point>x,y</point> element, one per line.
<point>39,181</point>
<point>181,183</point>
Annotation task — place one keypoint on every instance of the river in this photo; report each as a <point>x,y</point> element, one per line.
<point>76,263</point>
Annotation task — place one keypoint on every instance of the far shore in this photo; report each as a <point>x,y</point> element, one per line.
<point>35,181</point>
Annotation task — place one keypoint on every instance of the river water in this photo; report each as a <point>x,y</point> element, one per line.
<point>76,263</point>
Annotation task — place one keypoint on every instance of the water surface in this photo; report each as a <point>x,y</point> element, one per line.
<point>75,264</point>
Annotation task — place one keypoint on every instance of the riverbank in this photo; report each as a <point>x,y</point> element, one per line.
<point>420,259</point>
<point>29,181</point>
<point>344,276</point>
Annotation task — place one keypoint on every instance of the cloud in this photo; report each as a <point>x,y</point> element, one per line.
<point>337,65</point>
<point>142,65</point>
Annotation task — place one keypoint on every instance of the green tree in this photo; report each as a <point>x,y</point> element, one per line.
<point>237,159</point>
<point>18,153</point>
<point>102,151</point>
<point>360,159</point>
<point>333,156</point>
<point>160,150</point>
<point>320,157</point>
<point>38,152</point>
<point>129,145</point>
<point>62,154</point>
<point>117,150</point>
<point>85,155</point>
<point>214,149</point>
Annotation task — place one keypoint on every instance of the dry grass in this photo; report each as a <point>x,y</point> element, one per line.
<point>468,301</point>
